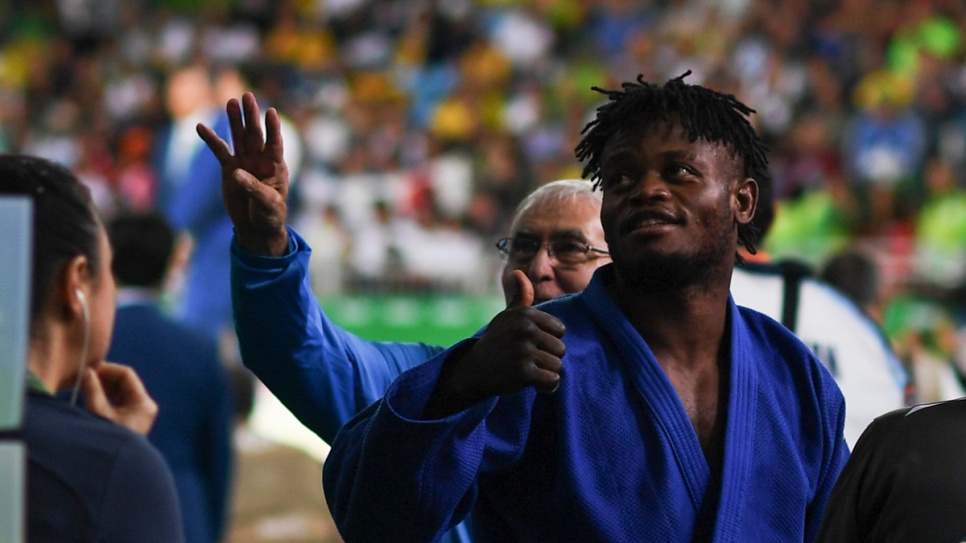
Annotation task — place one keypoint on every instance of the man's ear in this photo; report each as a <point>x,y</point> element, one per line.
<point>744,200</point>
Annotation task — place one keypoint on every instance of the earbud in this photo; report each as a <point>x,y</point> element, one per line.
<point>87,338</point>
<point>83,301</point>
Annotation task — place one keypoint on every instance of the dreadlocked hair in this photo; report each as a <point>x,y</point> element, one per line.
<point>703,113</point>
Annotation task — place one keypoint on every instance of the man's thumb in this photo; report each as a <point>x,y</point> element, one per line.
<point>522,290</point>
<point>245,181</point>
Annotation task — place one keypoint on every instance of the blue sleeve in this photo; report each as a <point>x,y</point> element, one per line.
<point>141,504</point>
<point>322,373</point>
<point>389,455</point>
<point>835,447</point>
<point>217,452</point>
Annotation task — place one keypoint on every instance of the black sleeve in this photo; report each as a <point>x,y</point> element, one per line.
<point>905,481</point>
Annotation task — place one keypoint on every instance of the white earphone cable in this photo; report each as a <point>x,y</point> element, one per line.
<point>87,340</point>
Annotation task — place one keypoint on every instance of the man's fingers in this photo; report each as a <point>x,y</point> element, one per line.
<point>544,380</point>
<point>547,322</point>
<point>273,134</point>
<point>217,145</point>
<point>544,373</point>
<point>254,138</point>
<point>550,343</point>
<point>549,362</point>
<point>233,109</point>
<point>522,290</point>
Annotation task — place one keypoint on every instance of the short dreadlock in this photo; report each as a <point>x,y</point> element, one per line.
<point>704,113</point>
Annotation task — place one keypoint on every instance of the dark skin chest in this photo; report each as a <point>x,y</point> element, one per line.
<point>694,351</point>
<point>702,389</point>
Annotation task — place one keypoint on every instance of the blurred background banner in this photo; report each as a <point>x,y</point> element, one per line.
<point>445,319</point>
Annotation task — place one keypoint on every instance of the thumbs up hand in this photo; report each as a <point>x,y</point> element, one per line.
<point>521,347</point>
<point>518,290</point>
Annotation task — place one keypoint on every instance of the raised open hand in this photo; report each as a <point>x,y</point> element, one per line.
<point>521,347</point>
<point>254,180</point>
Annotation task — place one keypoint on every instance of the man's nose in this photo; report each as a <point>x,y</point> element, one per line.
<point>541,266</point>
<point>652,185</point>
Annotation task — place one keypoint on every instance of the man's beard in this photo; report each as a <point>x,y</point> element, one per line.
<point>677,271</point>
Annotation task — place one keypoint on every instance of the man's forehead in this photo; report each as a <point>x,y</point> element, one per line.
<point>550,233</point>
<point>569,217</point>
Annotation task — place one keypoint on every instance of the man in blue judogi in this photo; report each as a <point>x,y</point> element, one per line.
<point>648,407</point>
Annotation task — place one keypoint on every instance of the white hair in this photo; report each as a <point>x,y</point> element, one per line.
<point>559,192</point>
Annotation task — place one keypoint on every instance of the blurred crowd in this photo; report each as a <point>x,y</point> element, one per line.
<point>414,127</point>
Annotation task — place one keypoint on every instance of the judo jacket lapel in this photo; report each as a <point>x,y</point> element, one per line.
<point>669,415</point>
<point>655,390</point>
<point>740,430</point>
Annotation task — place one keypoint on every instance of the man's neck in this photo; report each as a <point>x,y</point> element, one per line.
<point>683,326</point>
<point>686,329</point>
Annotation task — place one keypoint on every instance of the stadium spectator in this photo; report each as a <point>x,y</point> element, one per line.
<point>180,368</point>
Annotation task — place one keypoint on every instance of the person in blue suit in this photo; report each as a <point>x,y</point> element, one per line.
<point>189,197</point>
<point>182,371</point>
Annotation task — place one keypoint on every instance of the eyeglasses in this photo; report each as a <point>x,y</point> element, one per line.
<point>565,251</point>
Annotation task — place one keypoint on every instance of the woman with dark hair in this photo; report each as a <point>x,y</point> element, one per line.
<point>91,475</point>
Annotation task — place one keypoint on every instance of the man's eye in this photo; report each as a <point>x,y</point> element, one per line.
<point>616,180</point>
<point>524,246</point>
<point>568,247</point>
<point>676,171</point>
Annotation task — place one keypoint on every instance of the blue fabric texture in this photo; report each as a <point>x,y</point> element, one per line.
<point>610,456</point>
<point>90,480</point>
<point>181,370</point>
<point>321,373</point>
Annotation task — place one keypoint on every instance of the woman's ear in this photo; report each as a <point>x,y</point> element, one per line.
<point>745,199</point>
<point>73,287</point>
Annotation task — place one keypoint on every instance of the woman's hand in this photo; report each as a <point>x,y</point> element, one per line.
<point>115,392</point>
